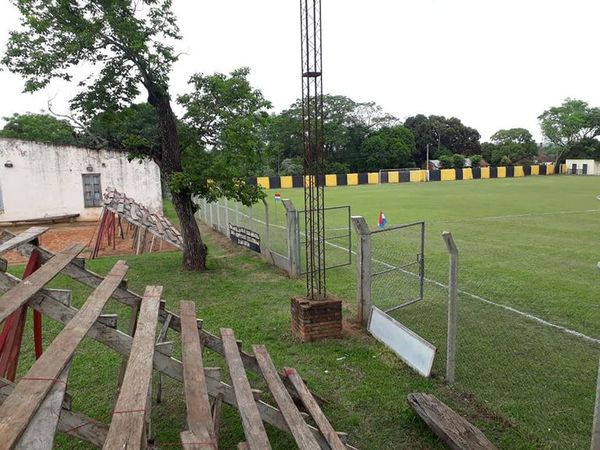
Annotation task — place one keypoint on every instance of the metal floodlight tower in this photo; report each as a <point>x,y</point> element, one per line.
<point>312,116</point>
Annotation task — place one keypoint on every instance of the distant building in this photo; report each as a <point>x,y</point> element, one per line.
<point>582,167</point>
<point>40,181</point>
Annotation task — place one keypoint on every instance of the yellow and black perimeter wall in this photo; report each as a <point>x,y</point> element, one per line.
<point>412,176</point>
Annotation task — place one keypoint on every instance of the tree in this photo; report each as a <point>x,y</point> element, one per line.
<point>389,148</point>
<point>443,136</point>
<point>129,45</point>
<point>458,161</point>
<point>515,145</point>
<point>476,160</point>
<point>39,128</point>
<point>446,162</point>
<point>567,125</point>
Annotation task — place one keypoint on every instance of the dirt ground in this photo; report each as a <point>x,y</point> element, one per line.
<point>60,235</point>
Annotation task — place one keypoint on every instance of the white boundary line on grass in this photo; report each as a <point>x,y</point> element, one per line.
<point>490,302</point>
<point>485,300</point>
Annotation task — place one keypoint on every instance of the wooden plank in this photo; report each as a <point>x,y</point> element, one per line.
<point>452,429</point>
<point>121,343</point>
<point>127,427</point>
<point>26,236</point>
<point>39,434</point>
<point>199,418</point>
<point>21,405</point>
<point>69,422</point>
<point>256,436</point>
<point>293,418</point>
<point>243,446</point>
<point>18,295</point>
<point>314,410</point>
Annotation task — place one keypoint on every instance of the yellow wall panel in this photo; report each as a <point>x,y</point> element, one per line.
<point>352,179</point>
<point>330,180</point>
<point>501,172</point>
<point>393,177</point>
<point>550,169</point>
<point>448,175</point>
<point>467,173</point>
<point>417,176</point>
<point>263,182</point>
<point>519,172</point>
<point>535,170</point>
<point>485,172</point>
<point>286,182</point>
<point>373,177</point>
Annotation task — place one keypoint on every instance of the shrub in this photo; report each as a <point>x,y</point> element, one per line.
<point>458,161</point>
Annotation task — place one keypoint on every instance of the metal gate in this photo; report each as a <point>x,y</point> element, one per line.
<point>397,266</point>
<point>390,266</point>
<point>338,237</point>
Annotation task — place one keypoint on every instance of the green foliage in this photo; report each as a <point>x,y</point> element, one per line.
<point>124,42</point>
<point>346,126</point>
<point>476,160</point>
<point>567,125</point>
<point>505,161</point>
<point>224,119</point>
<point>515,145</point>
<point>458,161</point>
<point>292,166</point>
<point>444,136</point>
<point>133,129</point>
<point>39,128</point>
<point>446,162</point>
<point>389,148</point>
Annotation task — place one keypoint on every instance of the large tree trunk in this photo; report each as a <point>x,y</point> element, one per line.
<point>194,250</point>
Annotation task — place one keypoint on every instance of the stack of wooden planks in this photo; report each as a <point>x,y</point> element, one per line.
<point>36,406</point>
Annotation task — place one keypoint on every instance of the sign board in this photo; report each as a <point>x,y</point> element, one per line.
<point>244,237</point>
<point>409,346</point>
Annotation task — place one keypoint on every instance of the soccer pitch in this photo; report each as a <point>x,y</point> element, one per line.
<point>528,254</point>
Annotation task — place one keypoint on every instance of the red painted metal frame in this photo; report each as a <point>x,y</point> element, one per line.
<point>11,336</point>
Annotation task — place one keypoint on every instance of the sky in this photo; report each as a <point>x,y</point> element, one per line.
<point>493,64</point>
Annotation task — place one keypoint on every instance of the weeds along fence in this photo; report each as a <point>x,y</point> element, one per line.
<point>532,376</point>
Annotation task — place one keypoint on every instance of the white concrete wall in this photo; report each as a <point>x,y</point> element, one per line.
<point>593,167</point>
<point>46,181</point>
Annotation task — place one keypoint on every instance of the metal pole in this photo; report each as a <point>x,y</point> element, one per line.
<point>452,306</point>
<point>427,166</point>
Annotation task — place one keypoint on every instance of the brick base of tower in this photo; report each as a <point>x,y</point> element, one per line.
<point>316,320</point>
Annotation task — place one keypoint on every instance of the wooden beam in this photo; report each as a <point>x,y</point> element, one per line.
<point>127,427</point>
<point>452,429</point>
<point>39,434</point>
<point>121,343</point>
<point>292,416</point>
<point>199,419</point>
<point>18,295</point>
<point>313,408</point>
<point>69,422</point>
<point>21,405</point>
<point>256,436</point>
<point>26,236</point>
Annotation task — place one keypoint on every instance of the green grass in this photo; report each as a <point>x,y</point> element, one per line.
<point>525,385</point>
<point>529,243</point>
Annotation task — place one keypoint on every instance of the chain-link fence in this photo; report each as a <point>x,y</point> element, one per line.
<point>269,222</point>
<point>338,237</point>
<point>532,373</point>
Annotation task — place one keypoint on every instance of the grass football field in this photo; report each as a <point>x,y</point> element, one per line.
<point>531,244</point>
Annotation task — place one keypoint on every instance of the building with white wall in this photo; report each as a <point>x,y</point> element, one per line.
<point>583,167</point>
<point>42,180</point>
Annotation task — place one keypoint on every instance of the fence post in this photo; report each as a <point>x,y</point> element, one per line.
<point>293,237</point>
<point>226,217</point>
<point>452,306</point>
<point>363,269</point>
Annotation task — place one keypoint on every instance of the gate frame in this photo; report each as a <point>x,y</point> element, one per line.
<point>363,266</point>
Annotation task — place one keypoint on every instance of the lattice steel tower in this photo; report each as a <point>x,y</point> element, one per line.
<point>312,114</point>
